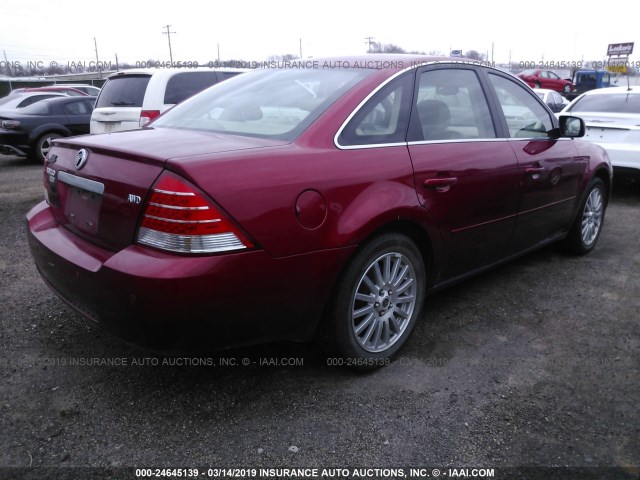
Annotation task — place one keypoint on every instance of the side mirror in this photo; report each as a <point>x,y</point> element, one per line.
<point>572,127</point>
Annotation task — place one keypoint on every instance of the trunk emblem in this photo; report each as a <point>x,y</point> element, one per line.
<point>81,158</point>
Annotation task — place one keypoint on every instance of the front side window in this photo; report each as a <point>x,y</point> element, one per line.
<point>450,104</point>
<point>526,118</point>
<point>276,104</point>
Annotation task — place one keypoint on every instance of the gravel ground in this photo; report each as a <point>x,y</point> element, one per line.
<point>533,364</point>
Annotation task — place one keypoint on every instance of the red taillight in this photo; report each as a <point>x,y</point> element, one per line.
<point>178,218</point>
<point>147,115</point>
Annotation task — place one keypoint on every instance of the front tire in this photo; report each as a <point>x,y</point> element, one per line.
<point>587,226</point>
<point>43,145</point>
<point>377,302</point>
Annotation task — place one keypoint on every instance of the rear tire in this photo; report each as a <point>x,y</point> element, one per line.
<point>43,144</point>
<point>587,226</point>
<point>376,303</point>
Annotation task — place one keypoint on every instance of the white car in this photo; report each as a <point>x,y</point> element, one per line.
<point>612,118</point>
<point>24,99</point>
<point>132,98</point>
<point>553,99</point>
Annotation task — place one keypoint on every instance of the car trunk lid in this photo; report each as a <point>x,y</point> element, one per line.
<point>97,185</point>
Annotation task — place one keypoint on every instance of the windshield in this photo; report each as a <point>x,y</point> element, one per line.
<point>276,104</point>
<point>608,103</point>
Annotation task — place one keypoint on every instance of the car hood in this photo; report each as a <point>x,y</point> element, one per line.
<point>164,144</point>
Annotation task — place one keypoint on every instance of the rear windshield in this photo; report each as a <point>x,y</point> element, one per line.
<point>38,108</point>
<point>276,104</point>
<point>125,91</point>
<point>614,103</point>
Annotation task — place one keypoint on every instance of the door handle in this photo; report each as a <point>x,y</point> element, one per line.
<point>440,184</point>
<point>535,172</point>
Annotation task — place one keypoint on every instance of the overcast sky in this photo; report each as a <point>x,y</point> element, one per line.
<point>63,30</point>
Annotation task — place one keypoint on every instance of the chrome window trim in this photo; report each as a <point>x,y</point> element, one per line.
<point>458,140</point>
<point>81,182</point>
<point>420,142</point>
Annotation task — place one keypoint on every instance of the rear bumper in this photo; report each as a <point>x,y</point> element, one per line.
<point>626,155</point>
<point>167,302</point>
<point>13,143</point>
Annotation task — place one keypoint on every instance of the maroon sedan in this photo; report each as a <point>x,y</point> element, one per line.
<point>326,198</point>
<point>547,79</point>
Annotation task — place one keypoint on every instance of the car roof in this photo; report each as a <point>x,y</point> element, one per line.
<point>379,61</point>
<point>172,71</point>
<point>633,90</point>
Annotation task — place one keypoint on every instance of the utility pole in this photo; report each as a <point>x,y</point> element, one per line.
<point>369,41</point>
<point>168,34</point>
<point>6,62</point>
<point>95,43</point>
<point>300,48</point>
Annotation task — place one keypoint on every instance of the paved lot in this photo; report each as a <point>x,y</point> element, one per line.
<point>536,363</point>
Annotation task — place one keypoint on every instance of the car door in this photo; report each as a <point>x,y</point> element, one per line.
<point>549,167</point>
<point>555,82</point>
<point>465,176</point>
<point>78,115</point>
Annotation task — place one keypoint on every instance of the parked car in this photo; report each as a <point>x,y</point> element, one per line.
<point>537,78</point>
<point>24,99</point>
<point>30,130</point>
<point>289,203</point>
<point>612,118</point>
<point>553,99</point>
<point>586,80</point>
<point>88,89</point>
<point>132,98</point>
<point>69,91</point>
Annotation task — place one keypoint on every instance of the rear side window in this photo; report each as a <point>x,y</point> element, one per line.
<point>76,108</point>
<point>183,85</point>
<point>125,91</point>
<point>384,118</point>
<point>38,108</point>
<point>450,105</point>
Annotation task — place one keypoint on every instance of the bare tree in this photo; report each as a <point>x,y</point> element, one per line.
<point>475,55</point>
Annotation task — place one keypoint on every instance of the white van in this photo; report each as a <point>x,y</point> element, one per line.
<point>132,98</point>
